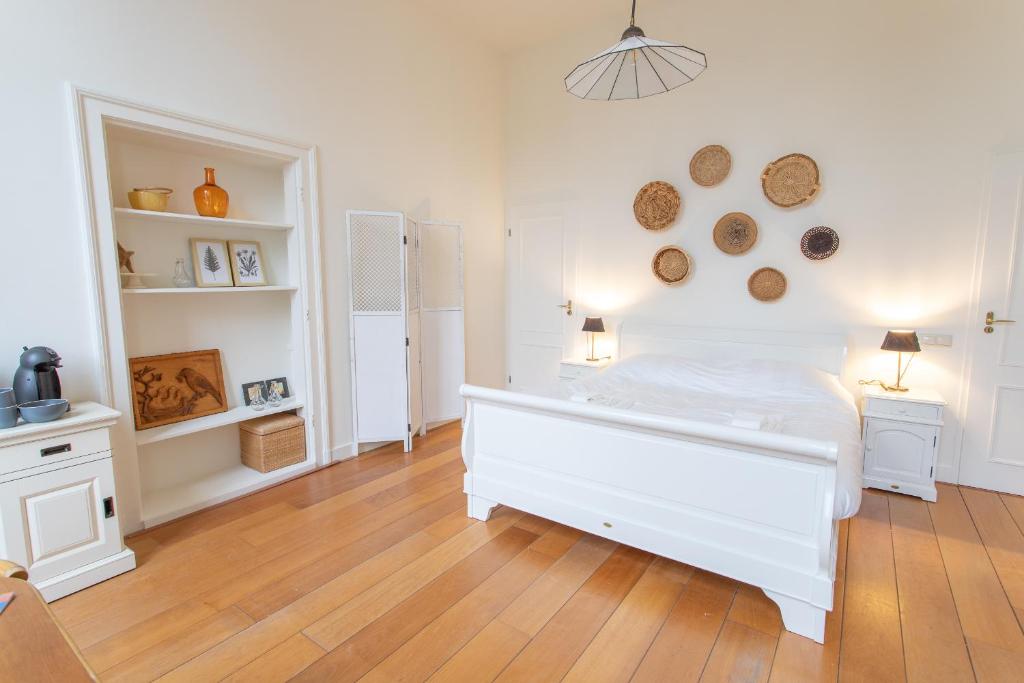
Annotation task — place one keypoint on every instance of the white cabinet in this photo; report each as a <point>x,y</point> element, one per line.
<point>901,440</point>
<point>58,513</point>
<point>570,370</point>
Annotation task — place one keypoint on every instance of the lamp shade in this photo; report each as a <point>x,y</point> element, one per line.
<point>593,325</point>
<point>904,341</point>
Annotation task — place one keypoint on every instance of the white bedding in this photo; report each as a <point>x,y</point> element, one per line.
<point>768,395</point>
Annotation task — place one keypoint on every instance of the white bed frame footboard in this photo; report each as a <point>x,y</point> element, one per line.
<point>753,506</point>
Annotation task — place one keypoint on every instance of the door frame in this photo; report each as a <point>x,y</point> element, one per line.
<point>567,212</point>
<point>974,302</point>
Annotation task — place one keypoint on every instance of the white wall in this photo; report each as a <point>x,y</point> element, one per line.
<point>900,103</point>
<point>405,112</point>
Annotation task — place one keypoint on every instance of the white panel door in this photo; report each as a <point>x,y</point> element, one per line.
<point>63,519</point>
<point>541,279</point>
<point>993,455</point>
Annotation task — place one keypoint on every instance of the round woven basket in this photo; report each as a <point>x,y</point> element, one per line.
<point>819,243</point>
<point>767,284</point>
<point>710,165</point>
<point>671,265</point>
<point>791,180</point>
<point>735,233</point>
<point>656,205</point>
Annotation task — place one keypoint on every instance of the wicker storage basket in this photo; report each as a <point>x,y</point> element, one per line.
<point>273,441</point>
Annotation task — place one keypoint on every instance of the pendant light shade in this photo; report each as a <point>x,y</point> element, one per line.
<point>635,67</point>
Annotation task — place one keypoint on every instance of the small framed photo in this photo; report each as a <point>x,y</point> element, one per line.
<point>210,262</point>
<point>252,390</point>
<point>247,264</point>
<point>281,384</point>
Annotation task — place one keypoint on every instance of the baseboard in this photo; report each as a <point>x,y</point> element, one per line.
<point>946,473</point>
<point>83,577</point>
<point>343,452</point>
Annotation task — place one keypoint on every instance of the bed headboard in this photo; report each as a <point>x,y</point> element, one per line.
<point>822,350</point>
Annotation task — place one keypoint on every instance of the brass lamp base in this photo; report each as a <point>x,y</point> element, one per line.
<point>895,388</point>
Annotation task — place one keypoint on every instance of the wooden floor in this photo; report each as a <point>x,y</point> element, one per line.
<point>369,570</point>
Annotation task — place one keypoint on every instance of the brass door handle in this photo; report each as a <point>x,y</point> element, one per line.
<point>567,307</point>
<point>990,319</point>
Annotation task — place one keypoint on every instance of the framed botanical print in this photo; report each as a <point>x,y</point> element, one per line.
<point>247,264</point>
<point>210,262</point>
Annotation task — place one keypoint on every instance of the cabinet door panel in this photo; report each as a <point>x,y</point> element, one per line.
<point>55,522</point>
<point>899,450</point>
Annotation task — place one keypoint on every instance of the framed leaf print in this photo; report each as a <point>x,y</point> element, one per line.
<point>247,264</point>
<point>211,263</point>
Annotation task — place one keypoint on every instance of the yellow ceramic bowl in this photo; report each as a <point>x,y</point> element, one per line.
<point>150,198</point>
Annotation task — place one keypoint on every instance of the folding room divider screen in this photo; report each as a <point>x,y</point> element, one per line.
<point>407,345</point>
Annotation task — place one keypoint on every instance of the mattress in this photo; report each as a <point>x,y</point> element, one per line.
<point>772,396</point>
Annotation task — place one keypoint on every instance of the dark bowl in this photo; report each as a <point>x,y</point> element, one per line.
<point>47,410</point>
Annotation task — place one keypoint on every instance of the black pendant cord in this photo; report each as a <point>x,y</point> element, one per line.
<point>632,15</point>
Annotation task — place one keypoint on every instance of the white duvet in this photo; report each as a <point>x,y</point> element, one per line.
<point>770,396</point>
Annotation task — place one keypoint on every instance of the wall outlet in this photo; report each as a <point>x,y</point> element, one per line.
<point>935,339</point>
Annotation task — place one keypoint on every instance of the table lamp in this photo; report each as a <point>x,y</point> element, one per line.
<point>900,341</point>
<point>592,326</point>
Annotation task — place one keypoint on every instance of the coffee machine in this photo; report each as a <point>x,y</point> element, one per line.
<point>36,377</point>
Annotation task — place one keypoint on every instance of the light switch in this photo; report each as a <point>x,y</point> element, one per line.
<point>935,339</point>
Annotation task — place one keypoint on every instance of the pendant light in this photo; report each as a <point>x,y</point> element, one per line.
<point>635,67</point>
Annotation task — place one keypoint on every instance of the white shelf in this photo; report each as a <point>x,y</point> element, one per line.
<point>163,505</point>
<point>200,424</point>
<point>167,217</point>
<point>210,290</point>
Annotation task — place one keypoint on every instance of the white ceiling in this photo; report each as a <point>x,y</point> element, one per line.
<point>509,25</point>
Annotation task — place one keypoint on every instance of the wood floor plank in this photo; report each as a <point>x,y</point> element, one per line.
<point>1015,505</point>
<point>682,647</point>
<point>620,645</point>
<point>279,567</point>
<point>801,659</point>
<point>741,653</point>
<point>530,611</point>
<point>166,655</point>
<point>237,651</point>
<point>1003,540</point>
<point>121,646</point>
<point>753,608</point>
<point>429,649</point>
<point>933,642</point>
<point>280,663</point>
<point>484,657</point>
<point>552,652</point>
<point>278,591</point>
<point>986,616</point>
<point>337,626</point>
<point>872,643</point>
<point>382,635</point>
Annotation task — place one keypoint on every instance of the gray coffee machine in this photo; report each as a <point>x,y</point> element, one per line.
<point>36,377</point>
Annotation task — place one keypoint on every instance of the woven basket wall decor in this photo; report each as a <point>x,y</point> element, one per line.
<point>671,265</point>
<point>767,284</point>
<point>710,165</point>
<point>735,233</point>
<point>819,243</point>
<point>791,180</point>
<point>656,205</point>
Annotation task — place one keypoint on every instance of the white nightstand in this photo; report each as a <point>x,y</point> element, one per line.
<point>570,369</point>
<point>901,440</point>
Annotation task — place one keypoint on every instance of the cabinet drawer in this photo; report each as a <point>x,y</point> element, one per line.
<point>31,454</point>
<point>921,411</point>
<point>573,371</point>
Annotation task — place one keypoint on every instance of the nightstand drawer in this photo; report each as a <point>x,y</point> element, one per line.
<point>898,409</point>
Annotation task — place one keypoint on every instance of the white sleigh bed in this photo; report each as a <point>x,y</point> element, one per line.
<point>756,506</point>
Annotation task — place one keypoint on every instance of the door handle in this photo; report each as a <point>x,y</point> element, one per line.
<point>990,320</point>
<point>567,307</point>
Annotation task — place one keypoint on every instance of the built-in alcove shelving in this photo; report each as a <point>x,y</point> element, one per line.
<point>262,332</point>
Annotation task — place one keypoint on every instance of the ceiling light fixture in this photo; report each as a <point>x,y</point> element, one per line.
<point>635,67</point>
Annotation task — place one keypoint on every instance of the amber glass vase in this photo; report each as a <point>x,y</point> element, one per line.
<point>210,198</point>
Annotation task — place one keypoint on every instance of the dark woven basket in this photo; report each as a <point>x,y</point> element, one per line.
<point>819,243</point>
